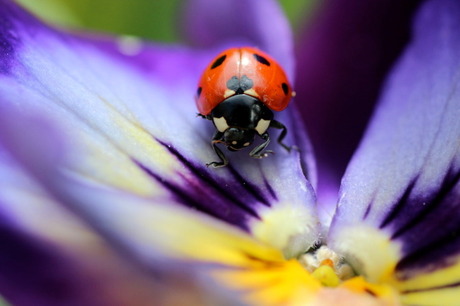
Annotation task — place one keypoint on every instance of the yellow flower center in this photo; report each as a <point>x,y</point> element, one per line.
<point>318,278</point>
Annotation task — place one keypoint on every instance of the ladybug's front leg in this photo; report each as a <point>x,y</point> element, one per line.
<point>258,152</point>
<point>223,160</point>
<point>278,125</point>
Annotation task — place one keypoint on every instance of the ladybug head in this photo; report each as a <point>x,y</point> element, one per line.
<point>238,119</point>
<point>236,139</point>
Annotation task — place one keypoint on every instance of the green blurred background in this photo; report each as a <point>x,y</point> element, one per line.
<point>151,19</point>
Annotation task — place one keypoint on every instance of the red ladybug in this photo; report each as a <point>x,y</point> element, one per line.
<point>237,92</point>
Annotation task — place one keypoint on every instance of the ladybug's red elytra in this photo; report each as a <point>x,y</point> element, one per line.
<point>238,92</point>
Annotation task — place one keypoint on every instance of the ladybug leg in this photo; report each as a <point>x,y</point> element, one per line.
<point>204,116</point>
<point>278,125</point>
<point>223,160</point>
<point>258,152</point>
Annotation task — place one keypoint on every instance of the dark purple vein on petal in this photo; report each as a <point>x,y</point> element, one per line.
<point>399,205</point>
<point>368,210</point>
<point>178,191</point>
<point>430,229</point>
<point>429,207</point>
<point>205,175</point>
<point>231,198</point>
<point>432,256</point>
<point>251,188</point>
<point>369,207</point>
<point>270,189</point>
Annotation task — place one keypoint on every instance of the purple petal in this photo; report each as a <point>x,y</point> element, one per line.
<point>259,23</point>
<point>132,125</point>
<point>36,272</point>
<point>49,258</point>
<point>404,180</point>
<point>343,56</point>
<point>8,40</point>
<point>32,274</point>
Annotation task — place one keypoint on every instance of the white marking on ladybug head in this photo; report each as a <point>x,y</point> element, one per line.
<point>234,142</point>
<point>246,144</point>
<point>228,93</point>
<point>262,126</point>
<point>251,92</point>
<point>221,124</point>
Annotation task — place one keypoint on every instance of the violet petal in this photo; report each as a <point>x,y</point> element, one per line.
<point>403,183</point>
<point>345,52</point>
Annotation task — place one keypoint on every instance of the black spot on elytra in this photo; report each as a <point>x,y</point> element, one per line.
<point>240,85</point>
<point>285,88</point>
<point>261,59</point>
<point>218,61</point>
<point>198,91</point>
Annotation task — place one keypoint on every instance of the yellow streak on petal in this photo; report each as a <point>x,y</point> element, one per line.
<point>142,141</point>
<point>256,272</point>
<point>282,283</point>
<point>444,297</point>
<point>384,292</point>
<point>357,292</point>
<point>109,155</point>
<point>183,234</point>
<point>437,278</point>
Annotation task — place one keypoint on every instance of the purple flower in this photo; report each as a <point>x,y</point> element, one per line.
<point>106,200</point>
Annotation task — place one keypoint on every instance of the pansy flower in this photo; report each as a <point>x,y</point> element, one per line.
<point>106,198</point>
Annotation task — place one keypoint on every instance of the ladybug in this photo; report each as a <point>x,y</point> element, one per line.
<point>238,92</point>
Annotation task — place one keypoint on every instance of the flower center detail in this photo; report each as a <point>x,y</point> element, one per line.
<point>326,266</point>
